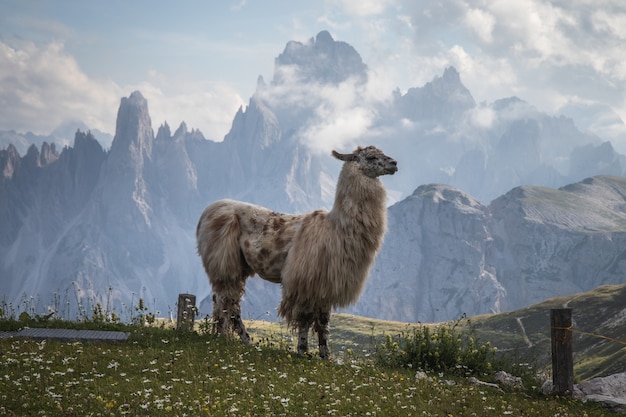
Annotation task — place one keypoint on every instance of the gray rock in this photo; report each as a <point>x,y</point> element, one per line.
<point>508,380</point>
<point>610,391</point>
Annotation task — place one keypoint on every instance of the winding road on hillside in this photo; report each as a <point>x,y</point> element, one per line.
<point>523,329</point>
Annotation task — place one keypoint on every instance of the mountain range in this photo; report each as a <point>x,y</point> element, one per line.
<point>467,234</point>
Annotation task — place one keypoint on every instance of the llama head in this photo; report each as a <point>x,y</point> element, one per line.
<point>371,161</point>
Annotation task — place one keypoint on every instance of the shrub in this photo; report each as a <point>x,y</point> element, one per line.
<point>439,349</point>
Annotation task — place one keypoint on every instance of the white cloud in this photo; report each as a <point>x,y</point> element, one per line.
<point>42,87</point>
<point>481,23</point>
<point>362,8</point>
<point>323,116</point>
<point>543,51</point>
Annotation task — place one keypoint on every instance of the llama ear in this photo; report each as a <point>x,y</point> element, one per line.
<point>347,157</point>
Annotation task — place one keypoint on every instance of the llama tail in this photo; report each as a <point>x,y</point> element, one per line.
<point>218,245</point>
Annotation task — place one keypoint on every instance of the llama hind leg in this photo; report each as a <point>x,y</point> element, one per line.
<point>237,323</point>
<point>220,321</point>
<point>227,311</point>
<point>321,328</point>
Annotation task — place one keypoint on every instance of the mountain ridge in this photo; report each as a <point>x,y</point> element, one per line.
<point>90,220</point>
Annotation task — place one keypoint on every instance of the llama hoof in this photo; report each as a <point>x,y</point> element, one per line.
<point>245,338</point>
<point>324,352</point>
<point>304,352</point>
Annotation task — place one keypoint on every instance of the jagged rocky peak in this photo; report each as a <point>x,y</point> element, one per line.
<point>87,146</point>
<point>448,83</point>
<point>133,130</point>
<point>444,98</point>
<point>48,154</point>
<point>513,108</point>
<point>36,159</point>
<point>9,161</point>
<point>255,127</point>
<point>321,59</point>
<point>182,130</point>
<point>164,133</point>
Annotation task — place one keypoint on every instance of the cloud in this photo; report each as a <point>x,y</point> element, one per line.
<point>481,23</point>
<point>207,106</point>
<point>547,52</point>
<point>42,87</point>
<point>362,8</point>
<point>323,116</point>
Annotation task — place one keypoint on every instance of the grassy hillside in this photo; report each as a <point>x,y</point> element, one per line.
<point>522,334</point>
<point>163,372</point>
<point>599,325</point>
<point>160,371</point>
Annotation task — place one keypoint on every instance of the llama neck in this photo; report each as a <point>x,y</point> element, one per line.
<point>359,202</point>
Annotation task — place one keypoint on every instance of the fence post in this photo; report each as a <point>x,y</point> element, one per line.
<point>562,356</point>
<point>186,311</point>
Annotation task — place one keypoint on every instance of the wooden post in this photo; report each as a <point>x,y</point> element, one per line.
<point>562,357</point>
<point>186,311</point>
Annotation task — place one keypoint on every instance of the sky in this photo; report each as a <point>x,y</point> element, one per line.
<point>198,61</point>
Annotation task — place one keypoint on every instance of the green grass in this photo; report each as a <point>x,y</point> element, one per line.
<point>160,371</point>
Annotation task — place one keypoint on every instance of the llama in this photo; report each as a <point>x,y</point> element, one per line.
<point>321,258</point>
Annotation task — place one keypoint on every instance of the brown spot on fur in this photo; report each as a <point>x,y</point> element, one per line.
<point>277,258</point>
<point>279,241</point>
<point>278,223</point>
<point>263,254</point>
<point>246,243</point>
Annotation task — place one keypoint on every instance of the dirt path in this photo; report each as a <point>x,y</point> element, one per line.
<point>523,329</point>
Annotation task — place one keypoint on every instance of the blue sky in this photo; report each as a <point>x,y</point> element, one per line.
<point>198,61</point>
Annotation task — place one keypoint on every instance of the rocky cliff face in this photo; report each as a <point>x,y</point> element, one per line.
<point>432,265</point>
<point>559,241</point>
<point>446,255</point>
<point>112,227</point>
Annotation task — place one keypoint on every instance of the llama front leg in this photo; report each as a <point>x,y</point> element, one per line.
<point>304,324</point>
<point>321,328</point>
